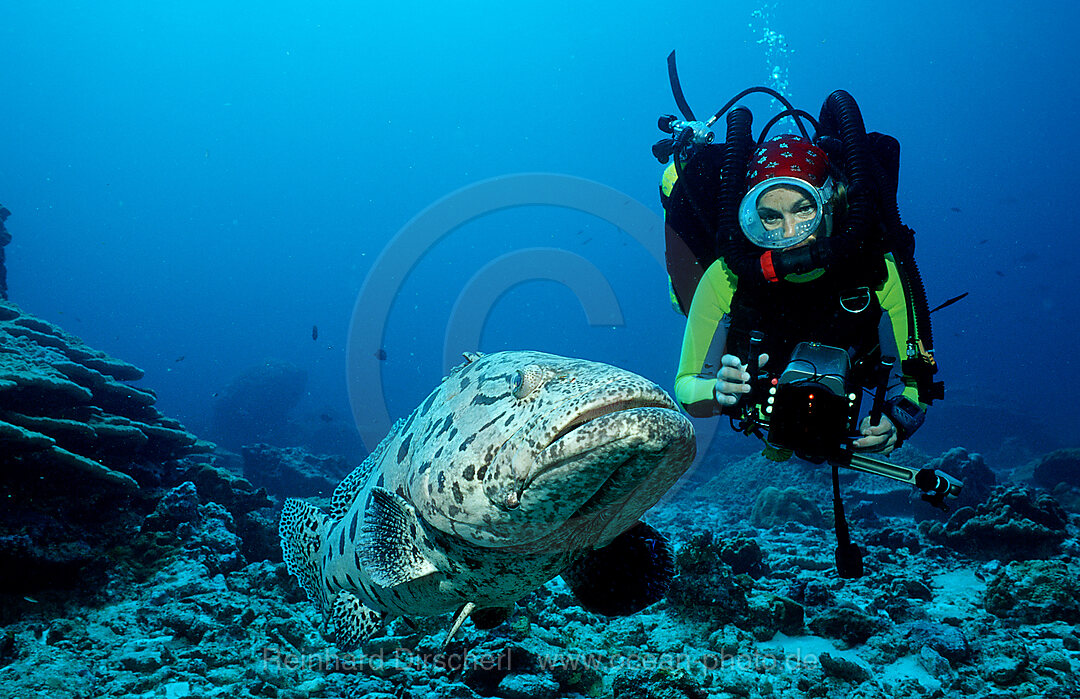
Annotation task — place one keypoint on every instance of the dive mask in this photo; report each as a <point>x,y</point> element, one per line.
<point>754,228</point>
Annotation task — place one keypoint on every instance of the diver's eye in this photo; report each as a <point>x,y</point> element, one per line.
<point>524,381</point>
<point>805,212</point>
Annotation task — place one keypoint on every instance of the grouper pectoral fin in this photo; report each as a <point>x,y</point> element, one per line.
<point>459,619</point>
<point>351,622</point>
<point>393,548</point>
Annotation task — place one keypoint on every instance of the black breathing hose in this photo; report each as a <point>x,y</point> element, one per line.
<point>737,145</point>
<point>840,114</point>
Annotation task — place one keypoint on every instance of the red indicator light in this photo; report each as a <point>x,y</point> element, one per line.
<point>811,396</point>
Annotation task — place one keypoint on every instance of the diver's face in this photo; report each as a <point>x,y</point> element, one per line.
<point>786,207</point>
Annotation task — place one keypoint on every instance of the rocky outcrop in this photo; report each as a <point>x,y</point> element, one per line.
<point>255,406</point>
<point>293,471</point>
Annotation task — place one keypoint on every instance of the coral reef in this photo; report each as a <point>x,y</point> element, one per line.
<point>1015,523</point>
<point>174,585</point>
<point>1035,592</point>
<point>67,410</point>
<point>774,507</point>
<point>84,453</point>
<point>5,238</point>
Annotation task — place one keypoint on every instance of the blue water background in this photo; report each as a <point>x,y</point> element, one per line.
<point>195,185</point>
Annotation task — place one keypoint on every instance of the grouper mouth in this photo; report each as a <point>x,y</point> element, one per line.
<point>594,430</point>
<point>605,410</point>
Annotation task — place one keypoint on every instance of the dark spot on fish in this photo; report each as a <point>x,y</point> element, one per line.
<point>424,467</point>
<point>465,381</point>
<point>438,453</point>
<point>427,404</point>
<point>408,422</point>
<point>467,442</point>
<point>380,354</point>
<point>404,450</point>
<point>442,480</point>
<point>481,399</point>
<point>452,510</point>
<point>352,583</point>
<point>486,519</point>
<point>509,420</point>
<point>481,471</point>
<point>453,434</point>
<point>456,491</point>
<point>341,543</point>
<point>489,423</point>
<point>314,332</point>
<point>401,491</point>
<point>352,525</point>
<point>181,358</point>
<point>382,481</point>
<point>469,472</point>
<point>447,423</point>
<point>412,529</point>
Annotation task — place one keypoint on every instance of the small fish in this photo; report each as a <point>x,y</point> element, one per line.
<point>984,241</point>
<point>314,332</point>
<point>955,208</point>
<point>380,354</point>
<point>326,418</point>
<point>950,302</point>
<point>999,273</point>
<point>181,358</point>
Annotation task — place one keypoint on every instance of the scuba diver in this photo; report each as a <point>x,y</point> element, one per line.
<point>797,276</point>
<point>794,240</point>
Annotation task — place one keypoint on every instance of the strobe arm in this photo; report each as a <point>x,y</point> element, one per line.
<point>936,486</point>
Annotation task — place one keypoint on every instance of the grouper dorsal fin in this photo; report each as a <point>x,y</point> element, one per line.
<point>353,486</point>
<point>393,547</point>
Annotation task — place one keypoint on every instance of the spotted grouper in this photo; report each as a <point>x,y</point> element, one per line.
<point>520,466</point>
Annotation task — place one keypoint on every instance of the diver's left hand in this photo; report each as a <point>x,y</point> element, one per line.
<point>879,438</point>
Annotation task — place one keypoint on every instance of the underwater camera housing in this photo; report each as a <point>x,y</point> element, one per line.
<point>811,407</point>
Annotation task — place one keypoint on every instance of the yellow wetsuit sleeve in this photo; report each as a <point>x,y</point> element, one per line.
<point>895,304</point>
<point>703,341</point>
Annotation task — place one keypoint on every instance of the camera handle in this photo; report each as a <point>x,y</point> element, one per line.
<point>756,339</point>
<point>884,372</point>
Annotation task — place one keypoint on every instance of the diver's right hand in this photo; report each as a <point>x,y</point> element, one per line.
<point>731,380</point>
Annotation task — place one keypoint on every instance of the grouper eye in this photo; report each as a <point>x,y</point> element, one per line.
<point>524,381</point>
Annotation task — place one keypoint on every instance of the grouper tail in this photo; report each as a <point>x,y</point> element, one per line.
<point>301,532</point>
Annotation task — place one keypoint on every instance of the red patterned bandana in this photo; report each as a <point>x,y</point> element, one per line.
<point>788,156</point>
